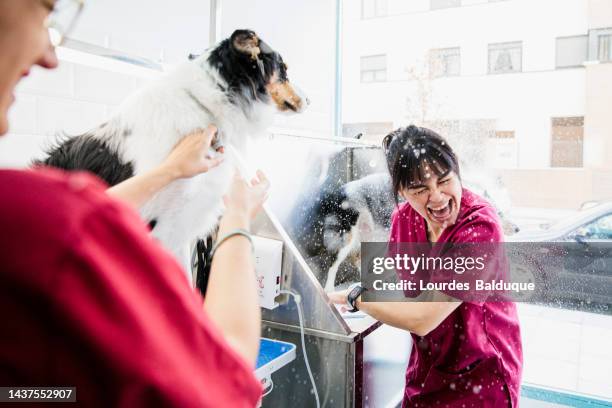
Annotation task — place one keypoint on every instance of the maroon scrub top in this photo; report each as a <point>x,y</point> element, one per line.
<point>88,299</point>
<point>474,357</point>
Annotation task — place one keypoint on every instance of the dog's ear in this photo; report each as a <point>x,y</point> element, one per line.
<point>265,48</point>
<point>246,42</point>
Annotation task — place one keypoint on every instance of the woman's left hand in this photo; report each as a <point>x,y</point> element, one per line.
<point>190,156</point>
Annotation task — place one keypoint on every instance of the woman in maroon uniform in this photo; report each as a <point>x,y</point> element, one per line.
<point>465,353</point>
<point>88,299</point>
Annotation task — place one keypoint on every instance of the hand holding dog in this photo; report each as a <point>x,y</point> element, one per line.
<point>190,156</point>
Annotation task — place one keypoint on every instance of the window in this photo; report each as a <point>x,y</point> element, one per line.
<point>567,142</point>
<point>502,149</point>
<point>502,134</point>
<point>440,4</point>
<point>604,48</point>
<point>572,51</point>
<point>600,45</point>
<point>374,68</point>
<point>505,57</point>
<point>600,229</point>
<point>373,8</point>
<point>535,168</point>
<point>445,62</point>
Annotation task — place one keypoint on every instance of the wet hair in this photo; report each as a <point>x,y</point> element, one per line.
<point>413,152</point>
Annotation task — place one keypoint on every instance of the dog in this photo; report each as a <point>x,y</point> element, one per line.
<point>336,218</point>
<point>361,212</point>
<point>237,85</point>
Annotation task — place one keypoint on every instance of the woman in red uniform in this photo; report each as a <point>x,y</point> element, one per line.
<point>88,299</point>
<point>465,353</point>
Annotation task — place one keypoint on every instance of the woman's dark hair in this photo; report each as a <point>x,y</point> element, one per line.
<point>413,152</point>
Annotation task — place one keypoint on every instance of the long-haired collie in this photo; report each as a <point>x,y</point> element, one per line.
<point>236,85</point>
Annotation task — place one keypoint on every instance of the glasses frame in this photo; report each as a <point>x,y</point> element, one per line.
<point>57,33</point>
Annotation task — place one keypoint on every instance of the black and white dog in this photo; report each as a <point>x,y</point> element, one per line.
<point>237,86</point>
<point>336,219</point>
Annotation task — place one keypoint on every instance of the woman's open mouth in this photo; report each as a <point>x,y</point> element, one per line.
<point>442,213</point>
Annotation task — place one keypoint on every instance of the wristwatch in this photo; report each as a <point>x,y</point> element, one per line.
<point>355,290</point>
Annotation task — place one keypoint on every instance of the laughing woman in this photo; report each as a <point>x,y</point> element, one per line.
<point>464,353</point>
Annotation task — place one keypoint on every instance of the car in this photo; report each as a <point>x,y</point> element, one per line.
<point>593,223</point>
<point>571,259</point>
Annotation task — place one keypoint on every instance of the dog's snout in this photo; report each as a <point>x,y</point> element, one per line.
<point>304,100</point>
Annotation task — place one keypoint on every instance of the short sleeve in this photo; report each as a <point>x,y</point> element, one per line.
<point>131,314</point>
<point>479,259</point>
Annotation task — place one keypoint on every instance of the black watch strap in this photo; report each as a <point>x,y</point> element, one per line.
<point>352,297</point>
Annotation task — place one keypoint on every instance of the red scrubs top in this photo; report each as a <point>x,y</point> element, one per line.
<point>474,357</point>
<point>88,299</point>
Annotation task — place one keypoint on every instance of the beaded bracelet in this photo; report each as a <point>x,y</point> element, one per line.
<point>237,231</point>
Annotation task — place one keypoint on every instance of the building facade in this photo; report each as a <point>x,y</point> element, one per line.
<point>520,86</point>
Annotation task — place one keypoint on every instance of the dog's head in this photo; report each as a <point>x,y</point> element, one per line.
<point>253,71</point>
<point>339,217</point>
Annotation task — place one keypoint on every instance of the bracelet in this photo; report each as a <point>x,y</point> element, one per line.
<point>236,232</point>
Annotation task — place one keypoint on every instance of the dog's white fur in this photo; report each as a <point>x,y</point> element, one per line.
<point>157,117</point>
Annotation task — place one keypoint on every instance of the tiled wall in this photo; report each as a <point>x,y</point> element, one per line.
<point>72,99</point>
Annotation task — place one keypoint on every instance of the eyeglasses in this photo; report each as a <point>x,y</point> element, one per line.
<point>62,19</point>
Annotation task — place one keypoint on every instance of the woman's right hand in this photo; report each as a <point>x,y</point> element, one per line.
<point>190,155</point>
<point>245,200</point>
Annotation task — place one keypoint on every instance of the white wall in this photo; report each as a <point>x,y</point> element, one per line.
<point>303,32</point>
<point>72,99</point>
<point>147,28</point>
<point>76,97</point>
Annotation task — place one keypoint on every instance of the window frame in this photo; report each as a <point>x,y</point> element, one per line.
<point>594,43</point>
<point>377,13</point>
<point>373,71</point>
<point>494,47</point>
<point>567,119</point>
<point>439,52</point>
<point>586,51</point>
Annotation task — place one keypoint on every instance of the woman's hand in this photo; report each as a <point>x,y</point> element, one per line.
<point>339,298</point>
<point>242,199</point>
<point>190,156</point>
